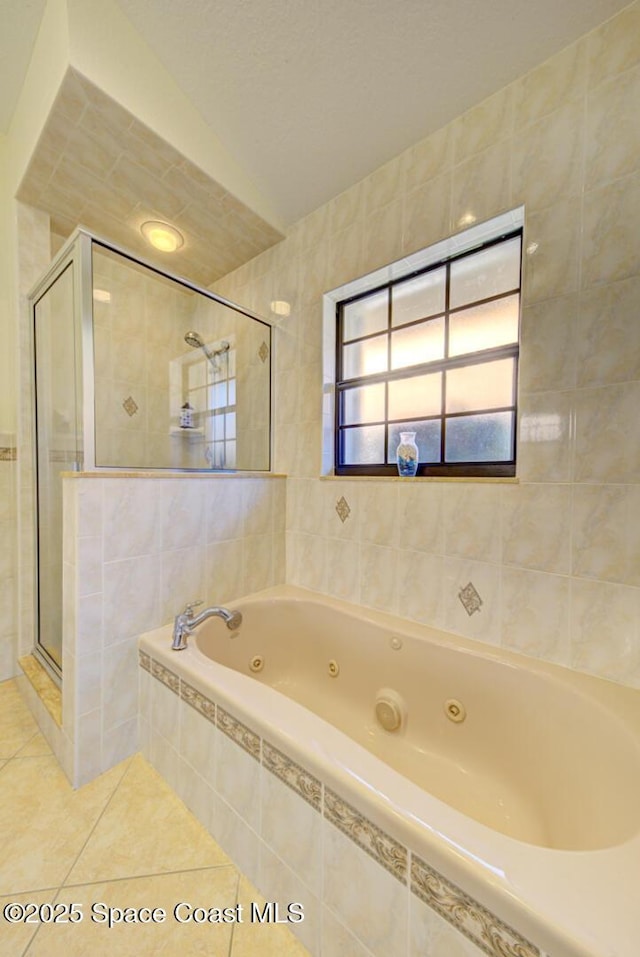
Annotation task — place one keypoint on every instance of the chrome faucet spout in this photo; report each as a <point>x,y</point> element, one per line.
<point>185,623</point>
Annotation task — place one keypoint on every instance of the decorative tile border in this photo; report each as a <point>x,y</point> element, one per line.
<point>238,732</point>
<point>8,454</point>
<point>198,702</point>
<point>165,676</point>
<point>294,776</point>
<point>465,914</point>
<point>382,848</point>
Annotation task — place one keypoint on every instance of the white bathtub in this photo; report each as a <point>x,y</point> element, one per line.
<point>520,824</point>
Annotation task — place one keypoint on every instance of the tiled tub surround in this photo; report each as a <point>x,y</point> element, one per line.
<point>380,863</point>
<point>555,558</point>
<point>138,547</point>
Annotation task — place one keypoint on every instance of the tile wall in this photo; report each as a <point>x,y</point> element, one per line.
<point>8,555</point>
<point>556,557</point>
<point>136,550</point>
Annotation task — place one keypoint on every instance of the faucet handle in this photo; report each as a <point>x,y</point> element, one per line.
<point>188,609</point>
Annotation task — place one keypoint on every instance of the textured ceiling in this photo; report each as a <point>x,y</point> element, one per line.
<point>312,95</point>
<point>307,96</point>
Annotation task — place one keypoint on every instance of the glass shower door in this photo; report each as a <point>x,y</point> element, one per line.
<point>57,448</point>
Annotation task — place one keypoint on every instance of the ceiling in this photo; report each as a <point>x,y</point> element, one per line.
<point>310,96</point>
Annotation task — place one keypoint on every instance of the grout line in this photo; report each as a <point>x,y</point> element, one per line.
<point>233,925</point>
<point>95,824</point>
<point>150,874</point>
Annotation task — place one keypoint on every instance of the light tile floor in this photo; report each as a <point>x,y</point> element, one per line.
<point>124,841</point>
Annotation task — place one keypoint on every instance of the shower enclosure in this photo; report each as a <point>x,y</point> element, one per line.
<point>135,369</point>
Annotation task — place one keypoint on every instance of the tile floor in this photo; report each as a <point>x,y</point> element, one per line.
<point>124,841</point>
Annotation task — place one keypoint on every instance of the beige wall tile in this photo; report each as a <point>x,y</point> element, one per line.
<point>481,186</point>
<point>553,235</point>
<point>543,90</point>
<point>545,442</point>
<point>615,46</point>
<point>604,630</point>
<point>378,571</point>
<point>428,159</point>
<point>484,125</point>
<point>548,158</point>
<point>535,527</point>
<point>607,444</point>
<point>292,828</point>
<point>606,537</point>
<point>472,521</point>
<point>427,211</point>
<point>358,884</point>
<point>421,587</point>
<point>548,341</point>
<point>483,624</point>
<point>535,614</point>
<point>607,340</point>
<point>610,227</point>
<point>613,143</point>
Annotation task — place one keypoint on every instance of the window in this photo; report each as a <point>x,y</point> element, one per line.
<point>435,353</point>
<point>210,387</point>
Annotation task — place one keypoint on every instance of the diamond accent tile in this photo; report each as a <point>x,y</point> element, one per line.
<point>263,352</point>
<point>130,406</point>
<point>470,599</point>
<point>343,509</point>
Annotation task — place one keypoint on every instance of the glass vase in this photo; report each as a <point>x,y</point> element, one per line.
<point>407,455</point>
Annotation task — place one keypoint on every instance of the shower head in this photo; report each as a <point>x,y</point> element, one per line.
<point>194,339</point>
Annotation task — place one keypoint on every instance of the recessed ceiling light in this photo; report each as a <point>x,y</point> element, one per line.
<point>280,307</point>
<point>163,236</point>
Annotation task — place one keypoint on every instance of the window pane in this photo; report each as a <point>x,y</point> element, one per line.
<point>415,397</point>
<point>218,428</point>
<point>366,316</point>
<point>484,327</point>
<point>365,404</point>
<point>485,273</point>
<point>479,438</point>
<point>365,358</point>
<point>363,446</point>
<point>418,298</point>
<point>421,343</point>
<point>427,439</point>
<point>487,385</point>
<point>218,395</point>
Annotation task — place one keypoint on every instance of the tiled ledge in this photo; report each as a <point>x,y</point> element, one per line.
<point>467,916</point>
<point>419,479</point>
<point>44,686</point>
<point>169,474</point>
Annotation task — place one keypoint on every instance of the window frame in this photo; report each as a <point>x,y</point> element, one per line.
<point>470,469</point>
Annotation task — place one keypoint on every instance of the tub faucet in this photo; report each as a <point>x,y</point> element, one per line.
<point>185,623</point>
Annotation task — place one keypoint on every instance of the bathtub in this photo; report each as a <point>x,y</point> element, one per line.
<point>501,792</point>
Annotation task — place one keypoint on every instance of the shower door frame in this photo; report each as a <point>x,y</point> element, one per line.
<point>76,253</point>
<point>78,250</point>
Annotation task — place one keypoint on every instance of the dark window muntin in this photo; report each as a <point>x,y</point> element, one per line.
<point>497,468</point>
